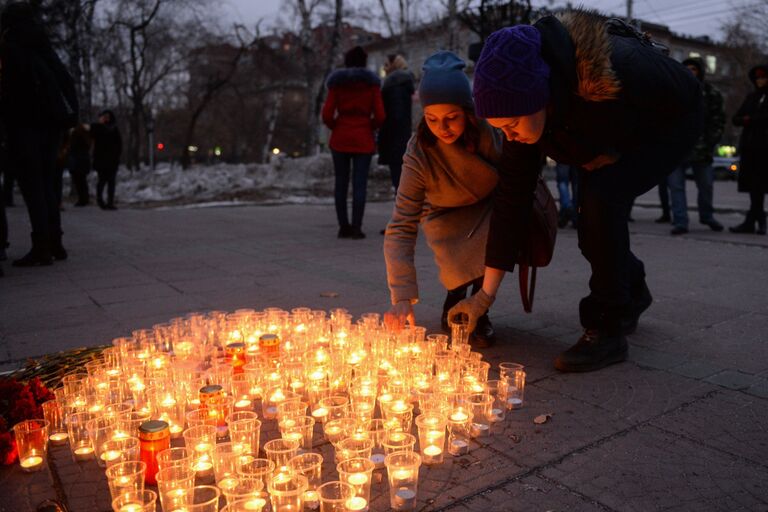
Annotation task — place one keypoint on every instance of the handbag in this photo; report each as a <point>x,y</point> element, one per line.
<point>538,250</point>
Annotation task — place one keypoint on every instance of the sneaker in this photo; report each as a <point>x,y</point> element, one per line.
<point>640,302</point>
<point>484,335</point>
<point>593,351</point>
<point>714,225</point>
<point>678,230</point>
<point>664,219</point>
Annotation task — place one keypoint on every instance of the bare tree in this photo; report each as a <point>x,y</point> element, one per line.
<point>215,81</point>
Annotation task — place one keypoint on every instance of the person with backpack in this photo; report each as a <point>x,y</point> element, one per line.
<point>37,103</point>
<point>599,95</point>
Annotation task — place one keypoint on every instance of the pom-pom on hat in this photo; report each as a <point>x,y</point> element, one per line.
<point>511,77</point>
<point>443,81</point>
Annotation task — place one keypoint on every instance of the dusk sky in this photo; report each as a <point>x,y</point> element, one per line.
<point>692,17</point>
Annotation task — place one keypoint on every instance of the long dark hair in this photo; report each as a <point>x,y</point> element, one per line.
<point>470,138</point>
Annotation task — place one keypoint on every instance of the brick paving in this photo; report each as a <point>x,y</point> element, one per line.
<point>680,426</point>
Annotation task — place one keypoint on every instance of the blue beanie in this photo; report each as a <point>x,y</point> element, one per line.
<point>511,77</point>
<point>443,81</point>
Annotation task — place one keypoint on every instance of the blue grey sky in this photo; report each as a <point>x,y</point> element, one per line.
<point>692,17</point>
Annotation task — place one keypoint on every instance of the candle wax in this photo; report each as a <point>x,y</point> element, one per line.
<point>432,450</point>
<point>357,503</point>
<point>131,507</point>
<point>358,479</point>
<point>110,455</point>
<point>58,436</point>
<point>255,504</point>
<point>83,453</point>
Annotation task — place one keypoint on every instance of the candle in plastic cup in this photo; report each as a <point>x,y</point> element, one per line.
<point>286,492</point>
<point>280,451</point>
<point>431,437</point>
<point>245,489</point>
<point>172,457</point>
<point>398,441</point>
<point>252,504</point>
<point>31,443</point>
<point>126,477</point>
<point>140,501</point>
<point>358,473</point>
<point>53,412</point>
<point>309,465</point>
<point>403,476</point>
<point>202,498</point>
<point>201,439</point>
<point>257,468</point>
<point>79,439</point>
<point>174,485</point>
<point>334,496</point>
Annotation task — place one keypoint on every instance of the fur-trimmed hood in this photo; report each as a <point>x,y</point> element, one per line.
<point>347,76</point>
<point>596,79</point>
<point>398,77</point>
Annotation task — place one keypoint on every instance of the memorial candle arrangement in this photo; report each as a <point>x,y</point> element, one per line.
<point>207,384</point>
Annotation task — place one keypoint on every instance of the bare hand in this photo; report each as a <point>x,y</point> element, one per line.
<point>398,315</point>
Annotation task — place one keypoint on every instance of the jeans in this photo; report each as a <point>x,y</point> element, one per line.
<point>664,196</point>
<point>606,196</point>
<point>107,177</point>
<point>360,163</point>
<point>566,181</point>
<point>704,176</point>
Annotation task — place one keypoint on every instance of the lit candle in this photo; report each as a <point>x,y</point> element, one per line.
<point>357,503</point>
<point>401,474</point>
<point>117,435</point>
<point>31,462</point>
<point>131,507</point>
<point>176,430</point>
<point>110,455</point>
<point>255,504</point>
<point>358,479</point>
<point>84,453</point>
<point>459,416</point>
<point>203,447</point>
<point>399,407</point>
<point>203,467</point>
<point>58,437</point>
<point>432,454</point>
<point>294,435</point>
<point>320,413</point>
<point>228,483</point>
<point>243,404</point>
<point>311,500</point>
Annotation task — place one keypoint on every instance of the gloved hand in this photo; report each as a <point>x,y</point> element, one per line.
<point>398,315</point>
<point>474,307</point>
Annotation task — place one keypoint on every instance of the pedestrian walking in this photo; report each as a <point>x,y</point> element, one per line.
<point>700,159</point>
<point>79,162</point>
<point>448,177</point>
<point>752,116</point>
<point>598,95</point>
<point>37,103</point>
<point>396,92</point>
<point>352,111</point>
<point>107,148</point>
<point>663,189</point>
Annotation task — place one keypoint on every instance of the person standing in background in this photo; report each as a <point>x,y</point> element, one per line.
<point>352,111</point>
<point>753,151</point>
<point>107,147</point>
<point>396,92</point>
<point>700,160</point>
<point>79,162</point>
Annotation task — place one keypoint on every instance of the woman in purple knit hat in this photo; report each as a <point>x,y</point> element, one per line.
<point>596,94</point>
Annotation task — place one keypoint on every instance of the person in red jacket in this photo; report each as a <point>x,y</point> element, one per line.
<point>353,110</point>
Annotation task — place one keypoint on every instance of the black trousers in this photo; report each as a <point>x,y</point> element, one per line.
<point>80,184</point>
<point>605,203</point>
<point>460,293</point>
<point>32,152</point>
<point>107,177</point>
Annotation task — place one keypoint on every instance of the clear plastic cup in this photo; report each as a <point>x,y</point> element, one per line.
<point>32,443</point>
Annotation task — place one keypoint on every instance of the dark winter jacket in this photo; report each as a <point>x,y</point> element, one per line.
<point>397,91</point>
<point>107,146</point>
<point>714,117</point>
<point>353,110</point>
<point>35,88</point>
<point>612,94</point>
<point>79,158</point>
<point>753,145</point>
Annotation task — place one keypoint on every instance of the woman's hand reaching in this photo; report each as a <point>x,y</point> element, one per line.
<point>396,318</point>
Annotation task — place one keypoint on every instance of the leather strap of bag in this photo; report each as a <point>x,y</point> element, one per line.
<point>526,290</point>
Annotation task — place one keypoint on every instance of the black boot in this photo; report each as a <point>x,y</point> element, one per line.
<point>356,233</point>
<point>38,256</point>
<point>564,217</point>
<point>345,231</point>
<point>593,351</point>
<point>641,300</point>
<point>748,226</point>
<point>484,335</point>
<point>761,224</point>
<point>58,251</point>
<point>664,219</point>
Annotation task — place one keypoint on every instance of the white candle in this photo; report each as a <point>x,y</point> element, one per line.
<point>58,437</point>
<point>243,404</point>
<point>459,416</point>
<point>358,479</point>
<point>311,500</point>
<point>84,453</point>
<point>320,412</point>
<point>131,507</point>
<point>432,451</point>
<point>404,499</point>
<point>31,462</point>
<point>357,503</point>
<point>228,483</point>
<point>255,504</point>
<point>110,455</point>
<point>458,447</point>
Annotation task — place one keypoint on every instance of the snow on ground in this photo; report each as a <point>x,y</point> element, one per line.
<point>286,180</point>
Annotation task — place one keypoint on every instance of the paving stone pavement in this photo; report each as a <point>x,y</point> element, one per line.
<point>680,426</point>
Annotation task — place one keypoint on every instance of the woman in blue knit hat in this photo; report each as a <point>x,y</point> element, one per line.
<point>447,178</point>
<point>598,95</point>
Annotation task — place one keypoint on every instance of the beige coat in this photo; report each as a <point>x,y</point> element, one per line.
<point>447,190</point>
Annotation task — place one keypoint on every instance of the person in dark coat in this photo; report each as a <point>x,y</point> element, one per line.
<point>79,162</point>
<point>700,159</point>
<point>753,151</point>
<point>107,147</point>
<point>396,92</point>
<point>600,96</point>
<point>352,111</point>
<point>38,101</point>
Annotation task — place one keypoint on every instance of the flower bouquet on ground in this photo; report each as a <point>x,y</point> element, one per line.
<point>19,401</point>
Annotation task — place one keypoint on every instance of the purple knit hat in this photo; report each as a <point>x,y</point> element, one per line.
<point>511,77</point>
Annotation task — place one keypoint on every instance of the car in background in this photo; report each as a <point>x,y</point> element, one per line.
<point>725,167</point>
